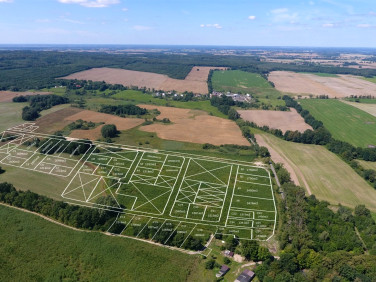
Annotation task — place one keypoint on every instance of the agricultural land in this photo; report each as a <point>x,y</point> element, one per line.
<point>282,120</point>
<point>194,82</point>
<point>344,122</point>
<point>321,172</point>
<point>311,84</point>
<point>195,126</point>
<point>367,107</point>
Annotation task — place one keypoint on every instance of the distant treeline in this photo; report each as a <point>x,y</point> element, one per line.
<point>79,217</point>
<point>123,110</point>
<point>23,70</point>
<point>38,103</point>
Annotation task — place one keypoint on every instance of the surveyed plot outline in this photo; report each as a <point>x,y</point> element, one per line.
<point>193,193</point>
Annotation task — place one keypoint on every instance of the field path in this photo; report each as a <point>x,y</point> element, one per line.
<point>279,157</point>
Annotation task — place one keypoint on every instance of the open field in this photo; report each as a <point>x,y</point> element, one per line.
<point>85,256</point>
<point>367,107</point>
<point>136,97</point>
<point>196,80</point>
<point>321,172</point>
<point>56,120</point>
<point>242,82</point>
<point>195,126</point>
<point>362,100</point>
<point>367,165</point>
<point>7,96</point>
<point>341,86</point>
<point>276,119</point>
<point>344,122</point>
<point>10,114</point>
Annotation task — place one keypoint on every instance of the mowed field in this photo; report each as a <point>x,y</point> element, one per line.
<point>10,114</point>
<point>321,172</point>
<point>303,83</point>
<point>240,81</point>
<point>344,122</point>
<point>367,165</point>
<point>7,96</point>
<point>276,119</point>
<point>367,107</point>
<point>195,126</point>
<point>196,80</point>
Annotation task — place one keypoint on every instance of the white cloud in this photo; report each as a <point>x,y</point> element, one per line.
<point>218,26</point>
<point>311,3</point>
<point>125,9</point>
<point>279,11</point>
<point>6,1</point>
<point>252,18</point>
<point>141,27</point>
<point>364,25</point>
<point>91,3</point>
<point>73,21</point>
<point>328,25</point>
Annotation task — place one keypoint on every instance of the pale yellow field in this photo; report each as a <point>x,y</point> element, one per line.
<point>369,108</point>
<point>302,83</point>
<point>321,172</point>
<point>196,80</point>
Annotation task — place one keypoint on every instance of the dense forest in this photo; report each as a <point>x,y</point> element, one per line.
<point>123,110</point>
<point>23,70</point>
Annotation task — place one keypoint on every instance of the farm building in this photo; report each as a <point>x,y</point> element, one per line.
<point>245,276</point>
<point>224,269</point>
<point>228,253</point>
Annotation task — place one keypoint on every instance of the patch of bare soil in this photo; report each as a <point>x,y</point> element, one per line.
<point>341,86</point>
<point>195,126</point>
<point>7,96</point>
<point>276,119</point>
<point>196,80</point>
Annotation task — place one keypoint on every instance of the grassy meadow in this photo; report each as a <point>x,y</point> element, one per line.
<point>34,249</point>
<point>345,122</point>
<point>367,165</point>
<point>328,177</point>
<point>242,82</point>
<point>10,114</point>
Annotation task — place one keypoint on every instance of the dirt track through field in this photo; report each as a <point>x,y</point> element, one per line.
<point>195,126</point>
<point>7,96</point>
<point>276,119</point>
<point>196,80</point>
<point>341,86</point>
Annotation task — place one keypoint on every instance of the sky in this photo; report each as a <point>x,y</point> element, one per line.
<point>316,23</point>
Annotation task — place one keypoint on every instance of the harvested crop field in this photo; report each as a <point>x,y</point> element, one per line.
<point>368,108</point>
<point>303,83</point>
<point>58,120</point>
<point>195,126</point>
<point>7,96</point>
<point>196,80</point>
<point>321,172</point>
<point>276,119</point>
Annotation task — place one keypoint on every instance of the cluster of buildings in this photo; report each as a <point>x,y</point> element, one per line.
<point>246,276</point>
<point>247,98</point>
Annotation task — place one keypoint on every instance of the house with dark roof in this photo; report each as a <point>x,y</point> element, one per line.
<point>224,269</point>
<point>245,276</point>
<point>228,253</point>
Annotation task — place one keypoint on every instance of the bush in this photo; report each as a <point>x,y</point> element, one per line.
<point>210,264</point>
<point>109,131</point>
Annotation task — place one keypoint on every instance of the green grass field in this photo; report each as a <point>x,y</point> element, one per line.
<point>345,122</point>
<point>322,74</point>
<point>371,79</point>
<point>328,177</point>
<point>362,101</point>
<point>10,114</point>
<point>137,97</point>
<point>242,82</point>
<point>34,249</point>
